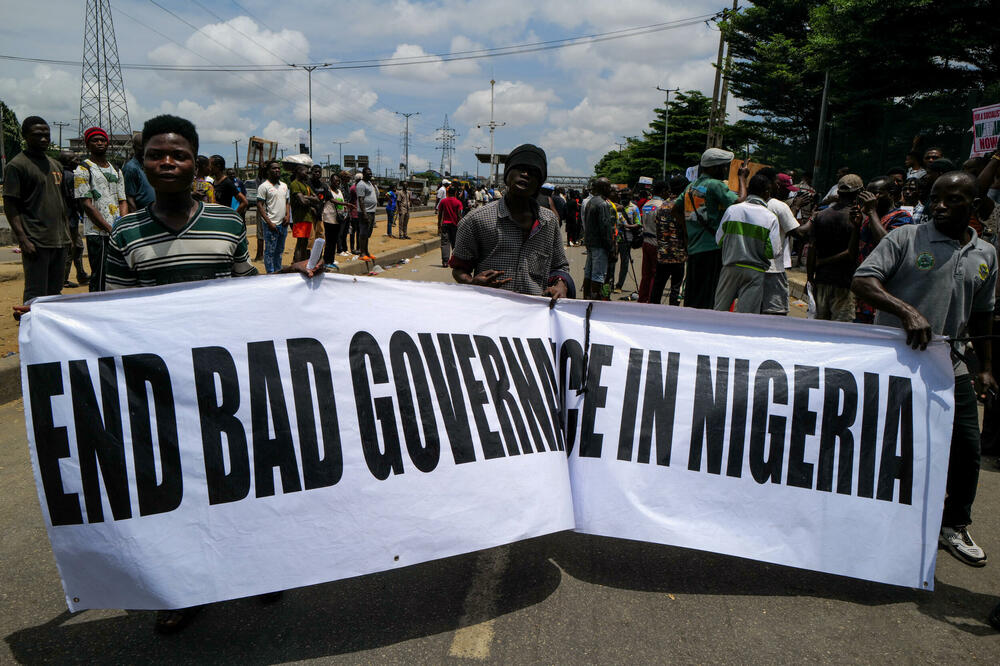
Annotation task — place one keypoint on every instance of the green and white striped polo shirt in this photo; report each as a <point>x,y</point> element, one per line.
<point>142,252</point>
<point>748,235</point>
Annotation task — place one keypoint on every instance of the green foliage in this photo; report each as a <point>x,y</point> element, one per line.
<point>903,74</point>
<point>11,131</point>
<point>643,156</point>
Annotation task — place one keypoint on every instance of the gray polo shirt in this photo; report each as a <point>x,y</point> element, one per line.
<point>943,279</point>
<point>367,196</point>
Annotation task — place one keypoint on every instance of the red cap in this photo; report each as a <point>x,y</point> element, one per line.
<point>94,131</point>
<point>786,180</point>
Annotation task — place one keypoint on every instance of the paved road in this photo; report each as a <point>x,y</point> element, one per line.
<point>564,598</point>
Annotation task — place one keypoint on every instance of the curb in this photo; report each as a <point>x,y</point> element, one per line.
<point>395,256</point>
<point>10,378</point>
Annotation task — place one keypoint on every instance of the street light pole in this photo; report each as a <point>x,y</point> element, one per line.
<point>341,144</point>
<point>309,70</point>
<point>60,125</point>
<point>492,125</point>
<point>236,147</point>
<point>406,142</point>
<point>666,111</point>
<point>477,149</point>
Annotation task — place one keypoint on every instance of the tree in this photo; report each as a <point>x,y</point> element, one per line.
<point>11,131</point>
<point>687,129</point>
<point>898,69</point>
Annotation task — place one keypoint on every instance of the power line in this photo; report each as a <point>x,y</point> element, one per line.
<point>517,49</point>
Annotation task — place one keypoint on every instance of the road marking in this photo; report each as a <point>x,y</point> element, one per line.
<point>474,639</point>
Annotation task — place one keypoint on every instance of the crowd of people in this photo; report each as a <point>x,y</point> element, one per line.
<point>914,248</point>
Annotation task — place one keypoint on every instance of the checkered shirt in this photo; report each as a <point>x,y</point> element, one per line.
<point>488,239</point>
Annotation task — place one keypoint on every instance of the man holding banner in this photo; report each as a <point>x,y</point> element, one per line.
<point>514,243</point>
<point>940,279</point>
<point>202,241</point>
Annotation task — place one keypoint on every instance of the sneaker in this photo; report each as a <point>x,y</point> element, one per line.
<point>960,544</point>
<point>69,284</point>
<point>345,253</point>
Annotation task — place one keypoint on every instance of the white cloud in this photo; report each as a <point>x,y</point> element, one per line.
<point>559,167</point>
<point>515,103</point>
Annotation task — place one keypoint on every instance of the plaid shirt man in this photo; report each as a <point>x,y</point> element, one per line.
<point>488,239</point>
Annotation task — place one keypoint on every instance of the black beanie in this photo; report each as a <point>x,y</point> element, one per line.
<point>942,165</point>
<point>527,155</point>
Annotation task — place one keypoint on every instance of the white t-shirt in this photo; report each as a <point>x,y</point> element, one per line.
<point>786,222</point>
<point>275,198</point>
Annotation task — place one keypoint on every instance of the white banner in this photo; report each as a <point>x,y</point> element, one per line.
<point>217,440</point>
<point>793,441</point>
<point>229,438</point>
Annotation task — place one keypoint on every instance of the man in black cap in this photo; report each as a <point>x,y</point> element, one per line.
<point>513,243</point>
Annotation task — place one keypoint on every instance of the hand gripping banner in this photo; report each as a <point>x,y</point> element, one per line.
<point>203,442</point>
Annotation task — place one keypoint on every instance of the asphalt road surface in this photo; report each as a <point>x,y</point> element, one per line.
<point>562,599</point>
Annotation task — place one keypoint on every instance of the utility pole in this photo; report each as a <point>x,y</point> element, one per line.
<point>341,144</point>
<point>378,160</point>
<point>309,70</point>
<point>717,115</point>
<point>621,145</point>
<point>666,111</point>
<point>236,147</point>
<point>60,125</point>
<point>720,114</point>
<point>406,141</point>
<point>477,149</point>
<point>492,125</point>
<point>822,131</point>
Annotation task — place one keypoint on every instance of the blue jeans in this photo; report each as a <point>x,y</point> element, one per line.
<point>389,216</point>
<point>596,267</point>
<point>274,247</point>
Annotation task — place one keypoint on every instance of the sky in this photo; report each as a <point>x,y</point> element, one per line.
<point>574,102</point>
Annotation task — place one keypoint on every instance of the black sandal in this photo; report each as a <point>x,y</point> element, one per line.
<point>172,621</point>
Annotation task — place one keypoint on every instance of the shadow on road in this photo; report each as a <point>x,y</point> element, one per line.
<point>647,567</point>
<point>323,620</point>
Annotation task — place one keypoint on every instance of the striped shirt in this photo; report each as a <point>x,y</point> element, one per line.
<point>748,235</point>
<point>143,252</point>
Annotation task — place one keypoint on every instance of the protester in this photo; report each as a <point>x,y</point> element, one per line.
<point>138,192</point>
<point>748,237</point>
<point>834,254</point>
<point>831,195</point>
<point>513,243</point>
<point>449,212</point>
<point>100,189</point>
<point>205,241</point>
<point>225,188</point>
<point>910,196</point>
<point>274,212</point>
<point>333,213</point>
<point>348,218</point>
<point>74,254</point>
<point>203,184</point>
<point>391,204</point>
<point>669,248</point>
<point>367,194</point>
<point>649,245</point>
<point>701,207</point>
<point>629,231</point>
<point>939,279</point>
<point>775,297</point>
<point>599,239</point>
<point>442,191</point>
<point>403,210</point>
<point>304,204</point>
<point>33,204</point>
<point>880,216</point>
<point>572,218</point>
<point>989,178</point>
<point>914,165</point>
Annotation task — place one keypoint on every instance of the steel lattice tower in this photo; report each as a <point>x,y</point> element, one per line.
<point>447,138</point>
<point>102,90</point>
